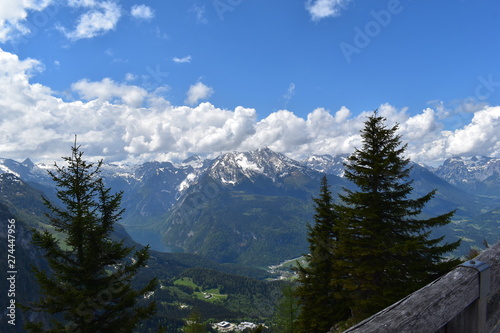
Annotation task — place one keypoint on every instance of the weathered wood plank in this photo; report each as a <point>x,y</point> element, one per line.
<point>427,309</point>
<point>440,302</point>
<point>493,313</point>
<point>492,257</point>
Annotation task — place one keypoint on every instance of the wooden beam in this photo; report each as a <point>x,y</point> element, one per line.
<point>451,299</point>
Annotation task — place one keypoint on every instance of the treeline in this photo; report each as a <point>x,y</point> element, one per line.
<point>253,299</point>
<point>247,299</point>
<point>229,283</point>
<point>177,263</point>
<point>174,306</point>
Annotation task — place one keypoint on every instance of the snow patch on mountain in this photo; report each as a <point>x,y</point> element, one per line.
<point>233,168</point>
<point>245,164</point>
<point>4,169</point>
<point>327,164</point>
<point>124,171</point>
<point>194,161</point>
<point>469,170</point>
<point>190,179</point>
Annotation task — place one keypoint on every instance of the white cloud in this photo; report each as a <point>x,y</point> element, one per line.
<point>13,17</point>
<point>320,9</point>
<point>106,90</point>
<point>342,114</point>
<point>480,137</point>
<point>82,3</point>
<point>186,59</point>
<point>142,12</point>
<point>418,127</point>
<point>123,122</point>
<point>99,18</point>
<point>178,130</point>
<point>197,92</point>
<point>280,131</point>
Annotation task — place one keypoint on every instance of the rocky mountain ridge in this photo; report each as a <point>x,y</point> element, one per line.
<point>466,169</point>
<point>327,163</point>
<point>253,207</point>
<point>233,167</point>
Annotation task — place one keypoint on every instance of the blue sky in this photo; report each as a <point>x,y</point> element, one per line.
<point>139,80</point>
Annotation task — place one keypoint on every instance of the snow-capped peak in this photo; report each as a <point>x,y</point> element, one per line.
<point>327,164</point>
<point>195,161</point>
<point>468,169</point>
<point>232,168</point>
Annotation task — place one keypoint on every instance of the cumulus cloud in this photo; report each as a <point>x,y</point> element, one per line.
<point>197,92</point>
<point>123,122</point>
<point>107,89</point>
<point>416,128</point>
<point>13,17</point>
<point>99,18</point>
<point>320,9</point>
<point>279,131</point>
<point>186,59</point>
<point>142,12</point>
<point>481,136</point>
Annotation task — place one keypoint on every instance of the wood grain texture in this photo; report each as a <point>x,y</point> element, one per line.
<point>449,304</point>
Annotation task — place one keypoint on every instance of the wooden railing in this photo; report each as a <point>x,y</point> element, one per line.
<point>466,300</point>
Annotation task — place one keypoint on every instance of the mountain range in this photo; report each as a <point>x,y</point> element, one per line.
<point>253,207</point>
<point>21,203</point>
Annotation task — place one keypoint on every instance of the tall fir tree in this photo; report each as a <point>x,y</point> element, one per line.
<point>384,249</point>
<point>319,308</point>
<point>89,286</point>
<point>287,310</point>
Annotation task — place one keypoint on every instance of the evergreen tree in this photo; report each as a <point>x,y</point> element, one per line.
<point>194,323</point>
<point>316,294</point>
<point>384,249</point>
<point>89,286</point>
<point>287,311</point>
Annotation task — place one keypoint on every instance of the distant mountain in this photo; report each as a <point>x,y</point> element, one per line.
<point>253,207</point>
<point>34,174</point>
<point>333,165</point>
<point>235,168</point>
<point>150,189</point>
<point>22,200</point>
<point>477,175</point>
<point>448,196</point>
<point>25,170</point>
<point>250,208</point>
<point>19,200</point>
